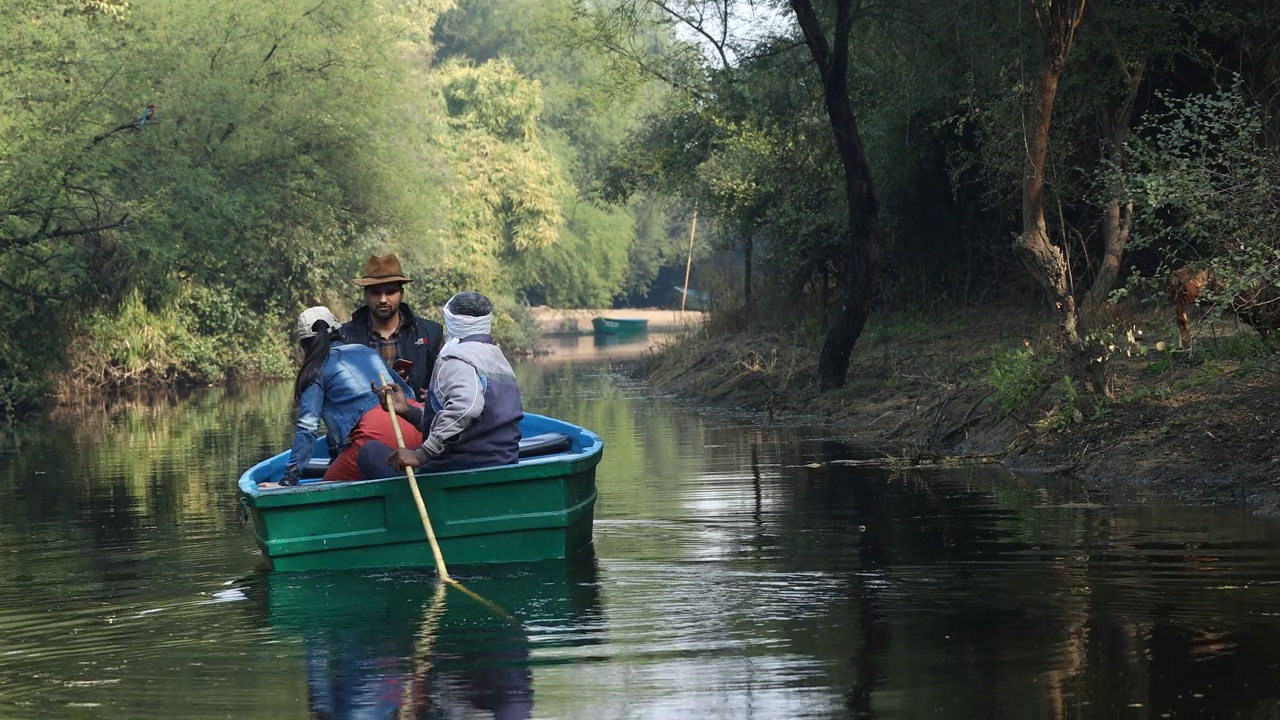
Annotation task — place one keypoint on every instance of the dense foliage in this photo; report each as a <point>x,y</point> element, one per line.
<point>287,141</point>
<point>557,152</point>
<point>949,96</point>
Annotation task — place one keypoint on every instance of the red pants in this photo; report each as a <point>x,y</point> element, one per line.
<point>374,425</point>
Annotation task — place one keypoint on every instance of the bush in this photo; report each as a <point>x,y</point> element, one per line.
<point>1017,377</point>
<point>136,344</point>
<point>1202,177</point>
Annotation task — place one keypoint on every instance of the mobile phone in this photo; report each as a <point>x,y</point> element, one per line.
<point>402,367</point>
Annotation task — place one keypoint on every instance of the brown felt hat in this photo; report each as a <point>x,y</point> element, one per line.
<point>382,269</point>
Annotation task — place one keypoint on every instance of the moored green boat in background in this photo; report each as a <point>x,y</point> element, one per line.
<point>620,326</point>
<point>540,508</point>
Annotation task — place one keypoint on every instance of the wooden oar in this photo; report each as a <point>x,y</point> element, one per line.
<point>417,495</point>
<point>426,522</point>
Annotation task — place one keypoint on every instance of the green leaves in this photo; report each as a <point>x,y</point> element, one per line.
<point>1201,179</point>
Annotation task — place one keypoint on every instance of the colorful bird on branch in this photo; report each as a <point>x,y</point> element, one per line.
<point>147,115</point>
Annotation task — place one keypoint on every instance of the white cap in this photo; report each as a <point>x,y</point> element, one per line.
<point>309,318</point>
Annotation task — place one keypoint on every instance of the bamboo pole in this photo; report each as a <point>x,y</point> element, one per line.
<point>693,228</point>
<point>441,570</point>
<point>417,494</point>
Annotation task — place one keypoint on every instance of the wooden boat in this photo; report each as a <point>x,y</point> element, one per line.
<point>620,326</point>
<point>540,508</point>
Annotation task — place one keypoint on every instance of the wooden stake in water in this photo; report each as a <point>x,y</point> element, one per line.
<point>417,495</point>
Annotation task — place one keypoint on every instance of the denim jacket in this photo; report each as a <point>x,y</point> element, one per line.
<point>340,397</point>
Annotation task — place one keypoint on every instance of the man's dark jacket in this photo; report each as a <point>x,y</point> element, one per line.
<point>420,340</point>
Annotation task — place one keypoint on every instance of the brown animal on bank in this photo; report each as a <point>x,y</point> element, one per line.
<point>1257,307</point>
<point>1186,286</point>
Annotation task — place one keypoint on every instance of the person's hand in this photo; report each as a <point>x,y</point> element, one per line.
<point>393,391</point>
<point>402,458</point>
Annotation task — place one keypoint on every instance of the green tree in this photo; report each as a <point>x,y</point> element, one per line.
<point>588,108</point>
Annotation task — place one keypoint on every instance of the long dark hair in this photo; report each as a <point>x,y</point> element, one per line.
<point>316,351</point>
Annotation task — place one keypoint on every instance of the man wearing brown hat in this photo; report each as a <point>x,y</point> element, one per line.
<point>387,325</point>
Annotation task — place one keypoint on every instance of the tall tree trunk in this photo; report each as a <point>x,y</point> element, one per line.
<point>1117,218</point>
<point>748,249</point>
<point>863,260</point>
<point>1056,21</point>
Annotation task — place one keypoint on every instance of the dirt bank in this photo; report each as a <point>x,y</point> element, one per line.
<point>553,322</point>
<point>1198,426</point>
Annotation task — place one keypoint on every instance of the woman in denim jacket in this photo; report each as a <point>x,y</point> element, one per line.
<point>334,385</point>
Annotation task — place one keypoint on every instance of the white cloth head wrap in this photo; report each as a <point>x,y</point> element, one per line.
<point>461,326</point>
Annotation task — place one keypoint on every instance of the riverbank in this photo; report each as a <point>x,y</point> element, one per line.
<point>1195,426</point>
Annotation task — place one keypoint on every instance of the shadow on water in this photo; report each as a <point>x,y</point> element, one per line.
<point>740,572</point>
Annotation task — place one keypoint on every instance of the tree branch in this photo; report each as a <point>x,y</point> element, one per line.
<point>39,295</point>
<point>132,124</point>
<point>813,35</point>
<point>1111,39</point>
<point>696,26</point>
<point>69,232</point>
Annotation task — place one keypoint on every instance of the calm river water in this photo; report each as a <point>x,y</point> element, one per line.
<point>737,573</point>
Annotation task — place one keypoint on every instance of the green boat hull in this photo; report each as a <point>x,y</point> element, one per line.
<point>619,326</point>
<point>539,509</point>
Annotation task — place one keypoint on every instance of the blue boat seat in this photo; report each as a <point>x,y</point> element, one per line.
<point>544,444</point>
<point>315,468</point>
<point>534,446</point>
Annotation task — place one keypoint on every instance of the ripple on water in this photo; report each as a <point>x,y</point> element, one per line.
<point>740,570</point>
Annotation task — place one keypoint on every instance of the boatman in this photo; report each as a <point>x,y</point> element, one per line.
<point>407,343</point>
<point>473,412</point>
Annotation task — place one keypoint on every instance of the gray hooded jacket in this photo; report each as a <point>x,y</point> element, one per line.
<point>475,408</point>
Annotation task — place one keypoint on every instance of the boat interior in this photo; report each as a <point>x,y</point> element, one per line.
<point>536,446</point>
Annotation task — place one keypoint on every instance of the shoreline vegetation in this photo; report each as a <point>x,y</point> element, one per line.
<point>971,385</point>
<point>178,179</point>
<point>146,352</point>
<point>984,385</point>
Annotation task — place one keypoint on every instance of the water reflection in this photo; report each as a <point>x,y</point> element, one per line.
<point>399,644</point>
<point>640,338</point>
<point>741,573</point>
<point>594,348</point>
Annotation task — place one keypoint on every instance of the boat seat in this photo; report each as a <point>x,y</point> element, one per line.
<point>315,468</point>
<point>544,444</point>
<point>534,446</point>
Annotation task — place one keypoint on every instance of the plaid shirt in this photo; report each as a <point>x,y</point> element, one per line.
<point>388,348</point>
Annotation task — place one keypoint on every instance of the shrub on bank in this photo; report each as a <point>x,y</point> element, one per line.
<point>1018,376</point>
<point>138,345</point>
<point>198,340</point>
